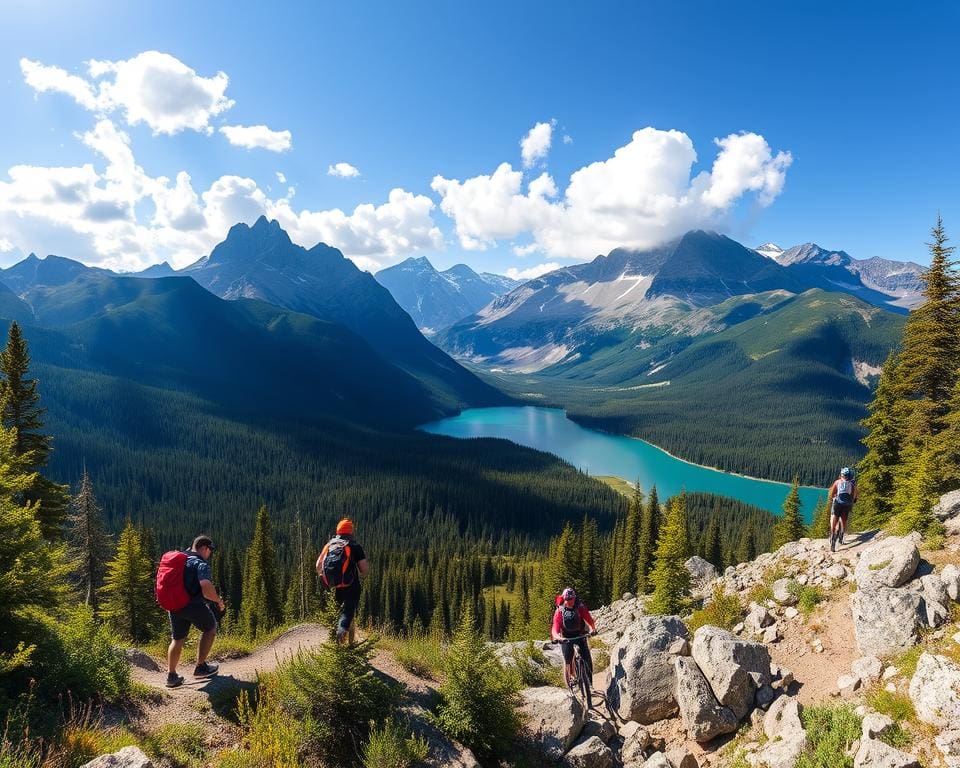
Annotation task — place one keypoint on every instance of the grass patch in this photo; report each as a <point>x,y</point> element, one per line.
<point>141,693</point>
<point>534,669</point>
<point>723,610</point>
<point>420,654</point>
<point>897,737</point>
<point>392,746</point>
<point>906,662</point>
<point>897,706</point>
<point>878,566</point>
<point>808,598</point>
<point>830,730</point>
<point>226,700</point>
<point>181,745</point>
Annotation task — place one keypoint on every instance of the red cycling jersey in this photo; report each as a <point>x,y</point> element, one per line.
<point>581,609</point>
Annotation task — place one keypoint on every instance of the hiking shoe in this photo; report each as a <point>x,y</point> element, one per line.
<point>833,543</point>
<point>207,669</point>
<point>174,680</point>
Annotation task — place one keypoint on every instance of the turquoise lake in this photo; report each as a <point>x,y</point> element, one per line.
<point>599,453</point>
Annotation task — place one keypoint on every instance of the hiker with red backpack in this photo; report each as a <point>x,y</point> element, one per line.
<point>341,565</point>
<point>185,589</point>
<point>572,619</point>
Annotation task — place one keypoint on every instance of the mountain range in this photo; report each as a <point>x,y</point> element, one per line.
<point>436,300</point>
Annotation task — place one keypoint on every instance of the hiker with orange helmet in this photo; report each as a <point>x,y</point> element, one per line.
<point>341,565</point>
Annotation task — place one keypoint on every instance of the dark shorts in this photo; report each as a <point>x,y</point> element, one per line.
<point>198,615</point>
<point>567,650</point>
<point>842,511</point>
<point>347,600</point>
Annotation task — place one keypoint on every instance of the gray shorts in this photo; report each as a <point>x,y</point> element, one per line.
<point>197,615</point>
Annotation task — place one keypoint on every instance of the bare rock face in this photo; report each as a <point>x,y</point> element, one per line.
<point>950,576</point>
<point>786,737</point>
<point>702,575</point>
<point>888,563</point>
<point>877,754</point>
<point>948,506</point>
<point>948,742</point>
<point>885,619</point>
<point>642,681</point>
<point>702,716</point>
<point>935,691</point>
<point>128,757</point>
<point>554,719</point>
<point>935,600</point>
<point>589,753</point>
<point>735,668</point>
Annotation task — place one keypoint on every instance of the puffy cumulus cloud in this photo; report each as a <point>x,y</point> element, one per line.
<point>372,233</point>
<point>281,177</point>
<point>536,144</point>
<point>113,214</point>
<point>152,87</point>
<point>343,170</point>
<point>643,195</point>
<point>257,137</point>
<point>531,272</point>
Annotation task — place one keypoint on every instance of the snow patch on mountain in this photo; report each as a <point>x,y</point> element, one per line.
<point>864,371</point>
<point>770,250</point>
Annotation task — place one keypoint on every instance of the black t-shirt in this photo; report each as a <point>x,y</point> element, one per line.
<point>196,570</point>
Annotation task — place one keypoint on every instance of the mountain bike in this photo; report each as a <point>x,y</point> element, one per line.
<point>583,670</point>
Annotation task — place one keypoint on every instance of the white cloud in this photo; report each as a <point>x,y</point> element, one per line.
<point>526,250</point>
<point>536,144</point>
<point>152,87</point>
<point>531,272</point>
<point>5,245</point>
<point>343,170</point>
<point>643,195</point>
<point>281,178</point>
<point>257,137</point>
<point>567,139</point>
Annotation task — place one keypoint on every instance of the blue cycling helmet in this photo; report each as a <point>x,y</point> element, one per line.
<point>846,473</point>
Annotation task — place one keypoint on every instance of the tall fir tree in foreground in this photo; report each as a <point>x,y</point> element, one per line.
<point>260,611</point>
<point>20,410</point>
<point>670,578</point>
<point>947,443</point>
<point>647,541</point>
<point>790,526</point>
<point>625,565</point>
<point>820,523</point>
<point>128,602</point>
<point>89,543</point>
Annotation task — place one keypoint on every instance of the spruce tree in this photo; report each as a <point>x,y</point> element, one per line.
<point>89,542</point>
<point>712,550</point>
<point>590,565</point>
<point>520,616</point>
<point>670,578</point>
<point>916,495</point>
<point>625,568</point>
<point>128,603</point>
<point>947,444</point>
<point>647,541</point>
<point>885,432</point>
<point>790,526</point>
<point>259,611</point>
<point>820,525</point>
<point>20,410</point>
<point>747,547</point>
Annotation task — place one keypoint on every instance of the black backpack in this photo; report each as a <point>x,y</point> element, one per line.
<point>337,566</point>
<point>570,619</point>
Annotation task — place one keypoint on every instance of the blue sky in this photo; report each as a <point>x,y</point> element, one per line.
<point>838,123</point>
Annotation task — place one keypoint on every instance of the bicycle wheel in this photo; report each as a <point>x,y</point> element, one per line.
<point>584,677</point>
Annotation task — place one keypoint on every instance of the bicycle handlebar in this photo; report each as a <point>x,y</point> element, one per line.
<point>571,639</point>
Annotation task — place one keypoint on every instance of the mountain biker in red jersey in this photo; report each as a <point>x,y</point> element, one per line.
<point>840,500</point>
<point>572,619</point>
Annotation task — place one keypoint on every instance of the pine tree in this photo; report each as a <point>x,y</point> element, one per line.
<point>670,578</point>
<point>885,430</point>
<point>820,525</point>
<point>747,546</point>
<point>790,526</point>
<point>127,601</point>
<point>590,565</point>
<point>947,443</point>
<point>916,495</point>
<point>520,616</point>
<point>20,410</point>
<point>259,611</point>
<point>625,567</point>
<point>647,541</point>
<point>89,542</point>
<point>712,550</point>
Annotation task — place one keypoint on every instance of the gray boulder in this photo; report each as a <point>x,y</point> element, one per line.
<point>735,668</point>
<point>642,680</point>
<point>867,669</point>
<point>935,691</point>
<point>950,576</point>
<point>935,600</point>
<point>657,760</point>
<point>702,575</point>
<point>885,619</point>
<point>877,754</point>
<point>786,737</point>
<point>128,757</point>
<point>888,563</point>
<point>782,593</point>
<point>875,725</point>
<point>703,718</point>
<point>554,719</point>
<point>948,743</point>
<point>589,753</point>
<point>948,506</point>
<point>680,757</point>
<point>757,618</point>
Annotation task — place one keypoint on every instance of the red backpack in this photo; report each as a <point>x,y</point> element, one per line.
<point>171,590</point>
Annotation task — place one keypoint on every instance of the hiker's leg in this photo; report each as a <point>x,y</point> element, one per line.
<point>352,632</point>
<point>206,643</point>
<point>173,654</point>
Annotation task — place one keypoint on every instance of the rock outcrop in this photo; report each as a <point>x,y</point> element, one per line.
<point>735,668</point>
<point>888,563</point>
<point>128,757</point>
<point>703,718</point>
<point>935,691</point>
<point>554,719</point>
<point>885,619</point>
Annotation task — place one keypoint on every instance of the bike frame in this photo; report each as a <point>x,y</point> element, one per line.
<point>580,665</point>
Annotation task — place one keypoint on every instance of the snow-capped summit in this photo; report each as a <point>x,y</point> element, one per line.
<point>770,250</point>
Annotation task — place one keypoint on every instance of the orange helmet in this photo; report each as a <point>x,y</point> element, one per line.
<point>345,526</point>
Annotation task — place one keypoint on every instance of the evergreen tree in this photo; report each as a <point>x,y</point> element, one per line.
<point>670,578</point>
<point>590,565</point>
<point>916,495</point>
<point>820,525</point>
<point>520,617</point>
<point>947,443</point>
<point>885,430</point>
<point>625,567</point>
<point>20,410</point>
<point>259,611</point>
<point>746,548</point>
<point>790,527</point>
<point>647,542</point>
<point>128,603</point>
<point>711,550</point>
<point>89,542</point>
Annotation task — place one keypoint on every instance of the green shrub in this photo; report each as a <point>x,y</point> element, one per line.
<point>533,668</point>
<point>478,700</point>
<point>181,745</point>
<point>897,706</point>
<point>906,662</point>
<point>334,692</point>
<point>272,739</point>
<point>830,732</point>
<point>897,737</point>
<point>420,655</point>
<point>390,746</point>
<point>808,597</point>
<point>722,611</point>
